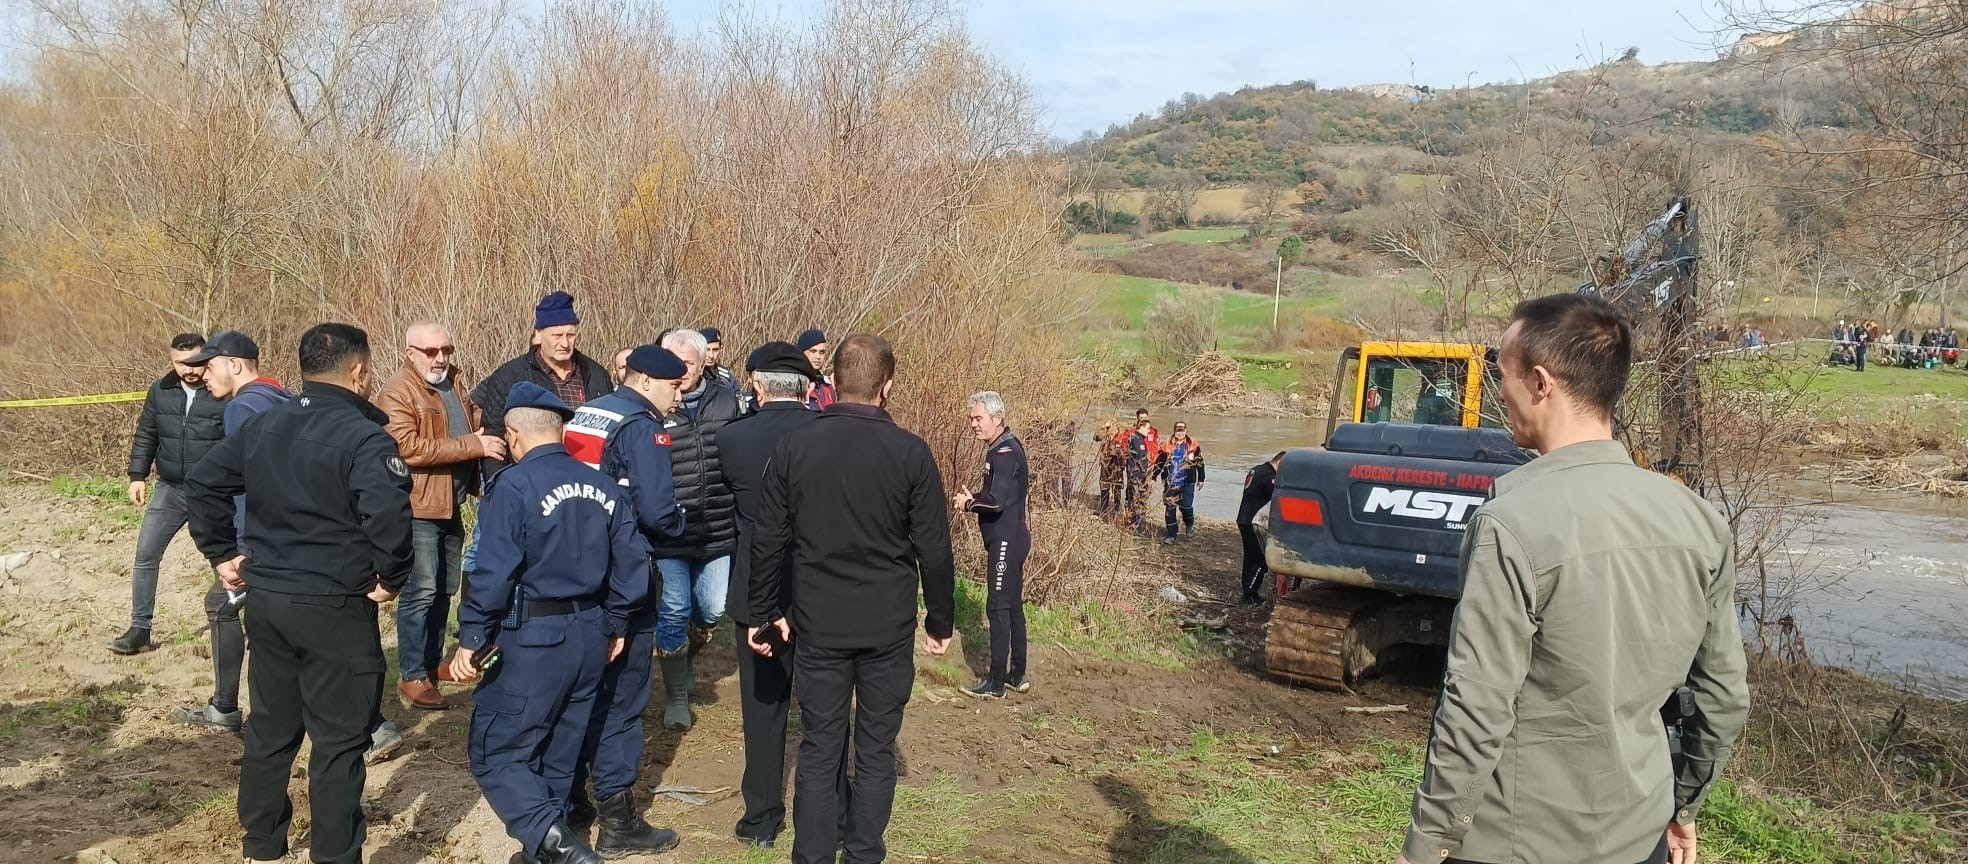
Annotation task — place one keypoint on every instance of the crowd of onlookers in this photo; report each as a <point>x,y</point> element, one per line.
<point>1853,343</point>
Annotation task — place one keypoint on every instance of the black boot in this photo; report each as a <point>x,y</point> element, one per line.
<point>580,811</point>
<point>563,846</point>
<point>623,831</point>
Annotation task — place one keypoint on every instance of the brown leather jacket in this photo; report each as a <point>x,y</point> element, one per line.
<point>416,421</point>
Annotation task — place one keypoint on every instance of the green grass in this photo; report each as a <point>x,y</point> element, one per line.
<point>1772,829</point>
<point>1935,399</point>
<point>1086,628</point>
<point>110,493</point>
<point>66,717</point>
<point>1198,235</point>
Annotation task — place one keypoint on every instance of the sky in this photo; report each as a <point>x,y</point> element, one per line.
<point>1097,62</point>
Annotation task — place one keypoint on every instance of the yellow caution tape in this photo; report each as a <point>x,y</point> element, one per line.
<point>57,401</point>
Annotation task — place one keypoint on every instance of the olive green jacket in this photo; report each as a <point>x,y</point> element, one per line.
<point>1591,590</point>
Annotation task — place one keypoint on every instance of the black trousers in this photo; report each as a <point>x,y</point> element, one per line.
<point>765,693</point>
<point>1253,560</point>
<point>876,683</point>
<point>1004,601</point>
<point>1659,856</point>
<point>317,670</point>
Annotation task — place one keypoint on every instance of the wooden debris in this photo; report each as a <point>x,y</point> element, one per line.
<point>1376,709</point>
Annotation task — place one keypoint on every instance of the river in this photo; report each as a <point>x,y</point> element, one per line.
<point>1887,586</point>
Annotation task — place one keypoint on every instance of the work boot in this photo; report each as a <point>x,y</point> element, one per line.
<point>986,689</point>
<point>383,743</point>
<point>563,846</point>
<point>208,717</point>
<point>677,680</point>
<point>623,831</point>
<point>135,640</point>
<point>580,811</point>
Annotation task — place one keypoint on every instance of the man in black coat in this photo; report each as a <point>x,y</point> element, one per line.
<point>781,381</point>
<point>180,423</point>
<point>1259,484</point>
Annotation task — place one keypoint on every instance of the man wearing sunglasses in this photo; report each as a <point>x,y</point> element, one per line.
<point>437,430</point>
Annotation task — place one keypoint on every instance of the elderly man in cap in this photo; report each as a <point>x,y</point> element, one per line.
<point>560,573</point>
<point>231,365</point>
<point>553,363</point>
<point>813,344</point>
<point>621,434</point>
<point>781,381</point>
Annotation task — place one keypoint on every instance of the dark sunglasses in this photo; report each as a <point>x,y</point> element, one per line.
<point>434,353</point>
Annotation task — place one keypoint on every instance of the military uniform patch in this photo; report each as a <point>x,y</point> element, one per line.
<point>396,466</point>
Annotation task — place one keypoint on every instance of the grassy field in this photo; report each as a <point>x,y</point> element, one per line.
<point>1932,399</point>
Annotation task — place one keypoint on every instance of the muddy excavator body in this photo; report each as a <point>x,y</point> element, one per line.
<point>1364,534</point>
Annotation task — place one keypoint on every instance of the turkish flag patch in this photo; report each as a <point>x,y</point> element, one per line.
<point>663,439</point>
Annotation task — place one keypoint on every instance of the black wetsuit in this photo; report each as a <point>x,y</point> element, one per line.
<point>1000,509</point>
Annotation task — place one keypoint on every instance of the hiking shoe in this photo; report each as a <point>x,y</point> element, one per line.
<point>986,689</point>
<point>383,743</point>
<point>1020,684</point>
<point>208,717</point>
<point>135,640</point>
<point>1168,540</point>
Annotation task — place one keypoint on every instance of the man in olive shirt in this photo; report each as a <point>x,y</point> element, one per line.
<point>1591,590</point>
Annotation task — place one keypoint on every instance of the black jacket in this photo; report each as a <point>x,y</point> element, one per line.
<point>710,522</point>
<point>1259,482</point>
<point>745,447</point>
<point>857,504</point>
<point>1000,499</point>
<point>327,497</point>
<point>490,395</point>
<point>171,437</point>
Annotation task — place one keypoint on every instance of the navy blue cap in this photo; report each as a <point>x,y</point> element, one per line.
<point>809,339</point>
<point>711,334</point>
<point>230,343</point>
<point>527,394</point>
<point>656,361</point>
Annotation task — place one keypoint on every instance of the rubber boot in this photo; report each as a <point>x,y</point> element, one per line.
<point>677,680</point>
<point>623,831</point>
<point>563,846</point>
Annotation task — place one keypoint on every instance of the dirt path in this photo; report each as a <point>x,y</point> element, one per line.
<point>90,764</point>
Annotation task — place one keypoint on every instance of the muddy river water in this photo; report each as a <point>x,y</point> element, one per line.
<point>1879,581</point>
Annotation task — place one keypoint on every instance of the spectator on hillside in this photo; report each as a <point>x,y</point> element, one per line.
<point>181,421</point>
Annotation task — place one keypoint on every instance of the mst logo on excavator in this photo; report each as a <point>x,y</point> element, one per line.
<point>1449,508</point>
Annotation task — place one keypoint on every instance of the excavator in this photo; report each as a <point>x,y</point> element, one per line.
<point>1364,533</point>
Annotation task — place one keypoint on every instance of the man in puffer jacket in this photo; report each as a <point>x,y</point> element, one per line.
<point>181,421</point>
<point>696,567</point>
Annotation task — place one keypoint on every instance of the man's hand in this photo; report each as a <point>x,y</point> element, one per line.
<point>490,447</point>
<point>463,670</point>
<point>1680,843</point>
<point>962,500</point>
<point>380,594</point>
<point>936,647</point>
<point>762,647</point>
<point>615,646</point>
<point>139,492</point>
<point>229,575</point>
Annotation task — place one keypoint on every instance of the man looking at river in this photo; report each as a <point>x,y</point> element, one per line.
<point>1591,590</point>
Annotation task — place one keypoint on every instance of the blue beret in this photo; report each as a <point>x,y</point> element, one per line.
<point>656,361</point>
<point>527,394</point>
<point>711,334</point>
<point>809,339</point>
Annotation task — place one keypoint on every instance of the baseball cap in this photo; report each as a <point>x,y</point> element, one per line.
<point>230,343</point>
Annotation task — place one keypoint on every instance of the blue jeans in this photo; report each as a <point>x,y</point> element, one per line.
<point>693,596</point>
<point>424,607</point>
<point>164,515</point>
<point>1183,499</point>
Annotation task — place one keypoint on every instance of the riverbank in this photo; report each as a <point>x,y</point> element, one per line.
<point>1150,737</point>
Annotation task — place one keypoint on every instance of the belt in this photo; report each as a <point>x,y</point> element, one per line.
<point>545,608</point>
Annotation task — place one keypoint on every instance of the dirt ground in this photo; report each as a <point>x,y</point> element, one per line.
<point>91,769</point>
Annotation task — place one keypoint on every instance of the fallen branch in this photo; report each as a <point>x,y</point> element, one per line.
<point>1376,709</point>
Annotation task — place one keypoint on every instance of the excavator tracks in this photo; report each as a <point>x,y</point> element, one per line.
<point>1312,639</point>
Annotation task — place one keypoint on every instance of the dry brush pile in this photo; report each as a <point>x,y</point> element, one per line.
<point>168,167</point>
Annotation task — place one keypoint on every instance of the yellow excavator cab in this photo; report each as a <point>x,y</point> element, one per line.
<point>1423,383</point>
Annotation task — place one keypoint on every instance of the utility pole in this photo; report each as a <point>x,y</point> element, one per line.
<point>1277,293</point>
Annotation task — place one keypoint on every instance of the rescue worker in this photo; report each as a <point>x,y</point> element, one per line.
<point>561,569</point>
<point>781,380</point>
<point>1259,483</point>
<point>620,435</point>
<point>814,344</point>
<point>1138,449</point>
<point>1112,459</point>
<point>328,513</point>
<point>1179,464</point>
<point>1000,508</point>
